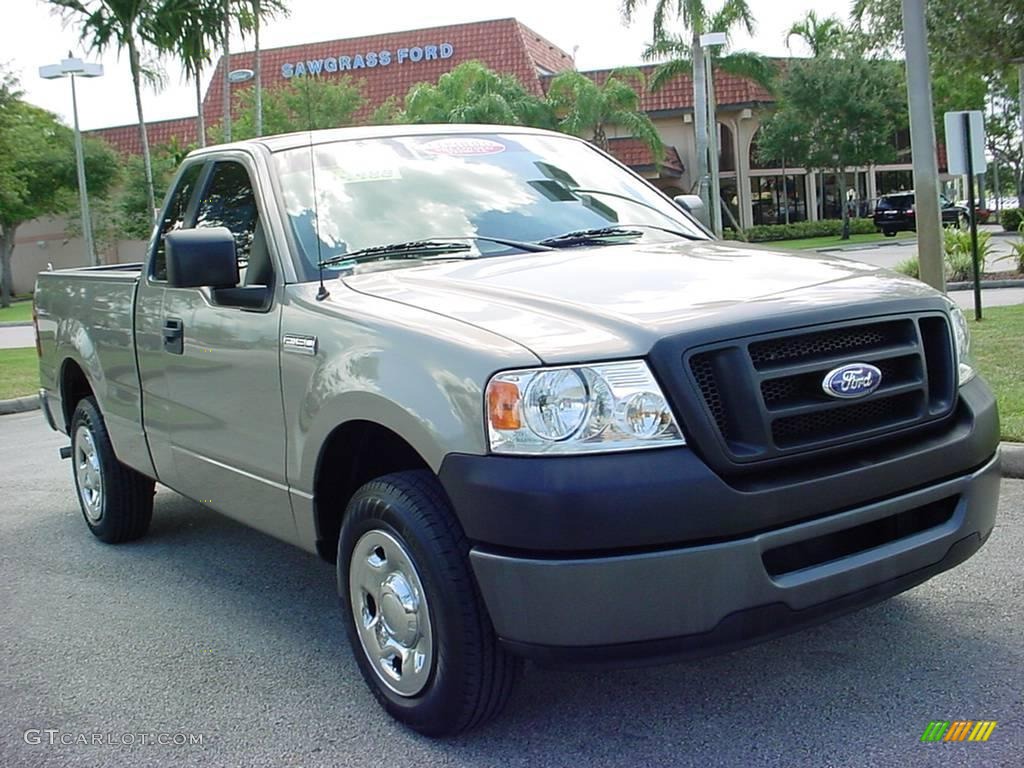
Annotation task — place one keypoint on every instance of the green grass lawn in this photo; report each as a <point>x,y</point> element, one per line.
<point>18,312</point>
<point>19,372</point>
<point>998,346</point>
<point>811,243</point>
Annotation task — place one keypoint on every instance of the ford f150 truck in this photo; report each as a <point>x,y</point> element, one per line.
<point>524,401</point>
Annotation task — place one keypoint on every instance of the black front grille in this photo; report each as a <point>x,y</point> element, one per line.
<point>811,346</point>
<point>766,399</point>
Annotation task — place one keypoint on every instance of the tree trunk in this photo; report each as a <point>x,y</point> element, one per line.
<point>600,137</point>
<point>700,117</point>
<point>841,175</point>
<point>200,116</point>
<point>256,69</point>
<point>226,101</point>
<point>147,161</point>
<point>6,278</point>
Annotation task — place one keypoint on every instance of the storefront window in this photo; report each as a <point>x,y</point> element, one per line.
<point>894,181</point>
<point>775,200</point>
<point>731,198</point>
<point>830,204</point>
<point>726,149</point>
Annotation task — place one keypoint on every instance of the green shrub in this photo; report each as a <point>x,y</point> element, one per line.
<point>959,267</point>
<point>957,246</point>
<point>1016,254</point>
<point>909,267</point>
<point>798,230</point>
<point>1011,219</point>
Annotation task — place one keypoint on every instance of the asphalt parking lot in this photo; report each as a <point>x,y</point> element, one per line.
<point>206,627</point>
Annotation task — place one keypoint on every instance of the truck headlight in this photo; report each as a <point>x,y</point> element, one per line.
<point>579,409</point>
<point>962,340</point>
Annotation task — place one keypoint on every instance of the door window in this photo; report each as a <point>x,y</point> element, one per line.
<point>174,218</point>
<point>228,201</point>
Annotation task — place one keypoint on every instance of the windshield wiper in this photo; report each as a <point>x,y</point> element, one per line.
<point>415,249</point>
<point>606,235</point>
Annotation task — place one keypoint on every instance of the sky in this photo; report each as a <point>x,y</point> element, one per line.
<point>31,35</point>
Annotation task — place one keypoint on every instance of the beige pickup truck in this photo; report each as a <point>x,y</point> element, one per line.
<point>525,402</point>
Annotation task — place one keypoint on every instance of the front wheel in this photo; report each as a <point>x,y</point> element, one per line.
<point>412,611</point>
<point>116,501</point>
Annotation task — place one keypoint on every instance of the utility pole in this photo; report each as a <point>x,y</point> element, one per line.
<point>707,42</point>
<point>922,146</point>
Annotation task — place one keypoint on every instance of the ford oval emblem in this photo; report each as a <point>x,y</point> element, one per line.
<point>851,381</point>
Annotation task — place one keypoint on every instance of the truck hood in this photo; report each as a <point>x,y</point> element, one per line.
<point>613,301</point>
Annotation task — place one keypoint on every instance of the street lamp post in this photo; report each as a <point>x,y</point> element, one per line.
<point>72,68</point>
<point>707,42</point>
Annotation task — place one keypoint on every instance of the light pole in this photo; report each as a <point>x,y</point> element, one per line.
<point>72,67</point>
<point>707,42</point>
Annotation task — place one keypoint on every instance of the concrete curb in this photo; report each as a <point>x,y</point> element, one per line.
<point>15,324</point>
<point>1013,459</point>
<point>19,404</point>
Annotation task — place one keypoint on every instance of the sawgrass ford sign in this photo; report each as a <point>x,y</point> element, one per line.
<point>369,60</point>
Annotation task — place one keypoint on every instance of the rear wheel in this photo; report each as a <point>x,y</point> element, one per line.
<point>889,231</point>
<point>116,501</point>
<point>412,611</point>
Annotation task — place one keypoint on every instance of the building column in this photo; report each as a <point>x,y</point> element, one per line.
<point>745,130</point>
<point>811,183</point>
<point>872,183</point>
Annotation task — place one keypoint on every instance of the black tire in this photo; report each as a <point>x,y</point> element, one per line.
<point>889,232</point>
<point>471,676</point>
<point>125,503</point>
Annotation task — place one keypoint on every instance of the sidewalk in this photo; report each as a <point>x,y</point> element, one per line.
<point>13,336</point>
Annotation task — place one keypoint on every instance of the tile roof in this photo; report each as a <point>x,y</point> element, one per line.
<point>677,94</point>
<point>125,138</point>
<point>638,156</point>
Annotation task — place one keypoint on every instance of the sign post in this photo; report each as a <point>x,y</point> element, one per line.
<point>965,147</point>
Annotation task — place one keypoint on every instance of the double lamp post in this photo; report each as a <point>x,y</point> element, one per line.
<point>73,68</point>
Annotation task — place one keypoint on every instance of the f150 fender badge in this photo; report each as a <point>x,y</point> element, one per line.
<point>302,345</point>
<point>851,381</point>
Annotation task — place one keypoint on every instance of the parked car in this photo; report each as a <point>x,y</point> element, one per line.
<point>982,212</point>
<point>896,212</point>
<point>523,401</point>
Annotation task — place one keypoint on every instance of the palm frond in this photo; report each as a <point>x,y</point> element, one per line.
<point>751,66</point>
<point>669,71</point>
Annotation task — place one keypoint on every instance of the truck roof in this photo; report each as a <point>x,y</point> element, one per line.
<point>305,138</point>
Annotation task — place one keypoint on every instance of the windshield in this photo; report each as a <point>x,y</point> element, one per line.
<point>525,187</point>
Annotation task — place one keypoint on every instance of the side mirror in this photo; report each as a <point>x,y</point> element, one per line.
<point>694,206</point>
<point>198,258</point>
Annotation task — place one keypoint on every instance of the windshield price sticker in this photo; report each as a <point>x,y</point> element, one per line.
<point>461,147</point>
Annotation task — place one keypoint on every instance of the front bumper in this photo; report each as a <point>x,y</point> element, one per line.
<point>703,598</point>
<point>651,554</point>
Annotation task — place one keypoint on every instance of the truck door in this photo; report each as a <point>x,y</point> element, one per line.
<point>221,366</point>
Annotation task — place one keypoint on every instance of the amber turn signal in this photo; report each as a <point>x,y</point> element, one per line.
<point>503,405</point>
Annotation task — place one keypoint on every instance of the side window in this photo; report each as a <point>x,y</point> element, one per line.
<point>228,201</point>
<point>174,218</point>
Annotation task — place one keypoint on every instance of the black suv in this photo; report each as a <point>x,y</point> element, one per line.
<point>895,212</point>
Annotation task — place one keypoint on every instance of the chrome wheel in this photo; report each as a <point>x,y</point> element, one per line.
<point>389,608</point>
<point>89,474</point>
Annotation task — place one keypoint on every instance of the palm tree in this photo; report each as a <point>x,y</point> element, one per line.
<point>125,25</point>
<point>191,29</point>
<point>821,36</point>
<point>686,55</point>
<point>586,108</point>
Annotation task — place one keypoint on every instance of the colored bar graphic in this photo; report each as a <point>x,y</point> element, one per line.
<point>958,730</point>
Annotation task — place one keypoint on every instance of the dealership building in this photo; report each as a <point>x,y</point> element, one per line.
<point>386,66</point>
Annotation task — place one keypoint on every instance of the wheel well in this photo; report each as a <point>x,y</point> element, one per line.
<point>355,453</point>
<point>73,387</point>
